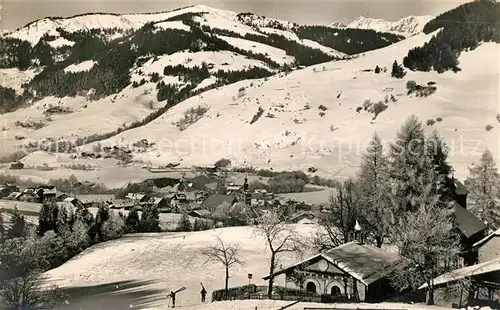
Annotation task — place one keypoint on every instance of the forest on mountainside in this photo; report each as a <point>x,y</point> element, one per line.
<point>462,29</point>
<point>348,41</point>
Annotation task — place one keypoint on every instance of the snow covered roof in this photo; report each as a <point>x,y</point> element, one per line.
<point>474,270</point>
<point>466,222</point>
<point>496,233</point>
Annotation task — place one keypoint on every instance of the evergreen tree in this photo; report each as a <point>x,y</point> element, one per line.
<point>184,224</point>
<point>437,150</point>
<point>410,168</point>
<point>18,225</point>
<point>101,217</point>
<point>2,228</point>
<point>377,69</point>
<point>373,180</point>
<point>78,239</point>
<point>397,70</point>
<point>484,190</point>
<point>62,222</point>
<point>199,225</point>
<point>47,218</point>
<point>150,219</point>
<point>132,221</point>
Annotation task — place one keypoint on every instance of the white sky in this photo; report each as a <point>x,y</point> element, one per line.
<point>16,13</point>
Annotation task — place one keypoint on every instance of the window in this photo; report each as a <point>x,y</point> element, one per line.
<point>335,291</point>
<point>311,287</point>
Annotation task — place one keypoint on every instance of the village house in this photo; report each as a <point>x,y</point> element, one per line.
<point>485,288</point>
<point>61,196</point>
<point>136,198</point>
<point>200,213</point>
<point>15,196</point>
<point>46,193</point>
<point>303,217</point>
<point>74,201</point>
<point>352,271</point>
<point>471,230</point>
<point>17,165</point>
<point>8,189</point>
<point>488,248</point>
<point>160,202</point>
<point>213,201</point>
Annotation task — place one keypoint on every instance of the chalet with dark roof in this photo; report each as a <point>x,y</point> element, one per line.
<point>352,271</point>
<point>136,197</point>
<point>471,230</point>
<point>160,202</point>
<point>200,213</point>
<point>213,201</point>
<point>17,165</point>
<point>74,201</point>
<point>488,248</point>
<point>8,189</point>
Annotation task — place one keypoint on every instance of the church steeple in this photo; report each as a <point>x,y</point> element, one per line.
<point>245,185</point>
<point>358,234</point>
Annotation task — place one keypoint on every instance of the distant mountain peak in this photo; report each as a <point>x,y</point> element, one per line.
<point>408,26</point>
<point>337,25</point>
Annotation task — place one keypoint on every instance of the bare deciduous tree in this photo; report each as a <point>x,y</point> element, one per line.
<point>335,226</point>
<point>280,238</point>
<point>21,281</point>
<point>227,254</point>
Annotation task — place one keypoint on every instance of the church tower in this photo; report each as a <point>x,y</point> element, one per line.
<point>247,196</point>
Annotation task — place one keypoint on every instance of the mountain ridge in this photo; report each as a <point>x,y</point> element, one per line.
<point>408,26</point>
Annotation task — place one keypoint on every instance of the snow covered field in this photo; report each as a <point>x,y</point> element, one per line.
<point>155,264</point>
<point>171,260</point>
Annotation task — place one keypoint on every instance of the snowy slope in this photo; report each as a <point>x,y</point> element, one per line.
<point>172,259</point>
<point>408,26</point>
<point>297,138</point>
<point>159,263</point>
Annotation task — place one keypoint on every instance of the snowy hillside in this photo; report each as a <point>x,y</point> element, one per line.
<point>407,26</point>
<point>315,116</point>
<point>63,78</point>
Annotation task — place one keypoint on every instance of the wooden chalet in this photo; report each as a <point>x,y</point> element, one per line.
<point>352,271</point>
<point>488,248</point>
<point>47,193</point>
<point>213,201</point>
<point>136,197</point>
<point>200,213</point>
<point>471,230</point>
<point>15,195</point>
<point>160,202</point>
<point>17,165</point>
<point>8,189</point>
<point>485,288</point>
<point>74,201</point>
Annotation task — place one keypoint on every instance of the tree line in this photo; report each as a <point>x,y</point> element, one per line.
<point>402,196</point>
<point>348,41</point>
<point>462,29</point>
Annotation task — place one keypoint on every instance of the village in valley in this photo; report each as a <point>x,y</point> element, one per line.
<point>349,259</point>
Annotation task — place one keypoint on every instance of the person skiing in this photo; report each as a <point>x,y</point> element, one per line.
<point>203,293</point>
<point>172,295</point>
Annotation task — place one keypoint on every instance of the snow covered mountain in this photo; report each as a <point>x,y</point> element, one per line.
<point>226,87</point>
<point>337,25</point>
<point>407,26</point>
